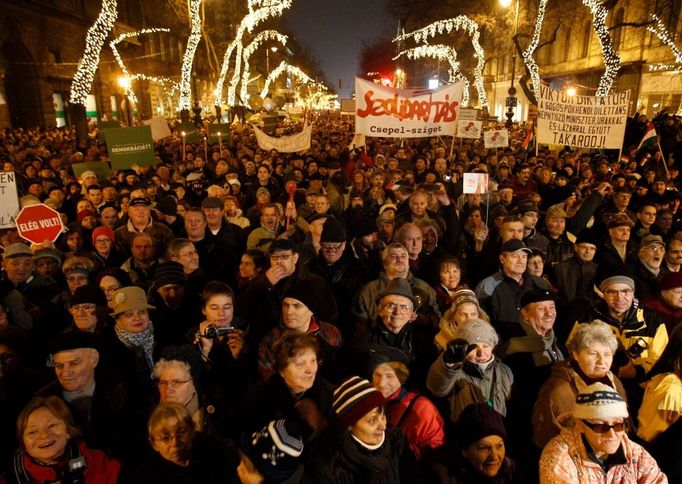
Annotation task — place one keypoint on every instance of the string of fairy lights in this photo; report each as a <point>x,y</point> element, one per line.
<point>659,30</point>
<point>284,67</point>
<point>126,75</point>
<point>188,57</point>
<point>259,11</point>
<point>460,23</point>
<point>94,40</point>
<point>264,36</point>
<point>444,53</point>
<point>528,54</point>
<point>611,58</point>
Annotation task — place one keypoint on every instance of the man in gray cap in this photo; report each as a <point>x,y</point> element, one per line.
<point>641,334</point>
<point>647,270</point>
<point>393,326</point>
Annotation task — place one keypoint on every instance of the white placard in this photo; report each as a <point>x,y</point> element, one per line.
<point>159,127</point>
<point>406,113</point>
<point>475,183</point>
<point>9,202</point>
<point>469,114</point>
<point>582,121</point>
<point>496,138</point>
<point>469,129</point>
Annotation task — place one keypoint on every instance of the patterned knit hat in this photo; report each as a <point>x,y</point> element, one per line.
<point>354,398</point>
<point>478,331</point>
<point>599,402</point>
<point>275,450</point>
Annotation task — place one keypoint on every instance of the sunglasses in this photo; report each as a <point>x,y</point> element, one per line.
<point>602,428</point>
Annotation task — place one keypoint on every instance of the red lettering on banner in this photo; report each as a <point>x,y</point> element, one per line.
<point>443,111</point>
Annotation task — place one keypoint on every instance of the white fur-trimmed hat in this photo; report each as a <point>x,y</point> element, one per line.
<point>599,402</point>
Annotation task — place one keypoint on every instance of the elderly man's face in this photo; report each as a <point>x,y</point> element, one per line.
<point>418,204</point>
<point>175,385</point>
<point>619,297</point>
<point>585,252</point>
<point>18,269</point>
<point>286,259</point>
<point>396,263</point>
<point>412,239</point>
<point>540,315</point>
<point>514,263</point>
<point>652,255</point>
<point>139,214</point>
<point>673,297</point>
<point>395,312</point>
<point>75,369</point>
<point>620,234</point>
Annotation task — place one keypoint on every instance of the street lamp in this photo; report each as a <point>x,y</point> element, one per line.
<point>267,58</point>
<point>511,99</point>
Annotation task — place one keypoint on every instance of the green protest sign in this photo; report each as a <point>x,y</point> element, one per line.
<point>222,128</point>
<point>101,169</point>
<point>102,125</point>
<point>130,146</point>
<point>192,134</point>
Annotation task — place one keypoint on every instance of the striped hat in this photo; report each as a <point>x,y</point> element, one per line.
<point>599,402</point>
<point>354,398</point>
<point>275,450</point>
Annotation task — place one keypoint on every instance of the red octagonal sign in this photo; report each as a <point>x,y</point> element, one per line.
<point>38,223</point>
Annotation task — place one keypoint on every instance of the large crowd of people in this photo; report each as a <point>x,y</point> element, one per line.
<point>344,315</point>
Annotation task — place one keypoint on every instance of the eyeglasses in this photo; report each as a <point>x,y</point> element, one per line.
<point>174,384</point>
<point>656,249</point>
<point>110,289</point>
<point>84,308</point>
<point>602,428</point>
<point>401,308</point>
<point>331,247</point>
<point>103,241</point>
<point>166,439</point>
<point>615,292</point>
<point>280,257</point>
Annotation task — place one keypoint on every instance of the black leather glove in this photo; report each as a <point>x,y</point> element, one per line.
<point>457,350</point>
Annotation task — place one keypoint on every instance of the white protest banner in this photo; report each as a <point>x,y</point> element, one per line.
<point>582,121</point>
<point>496,138</point>
<point>475,183</point>
<point>469,129</point>
<point>406,113</point>
<point>159,127</point>
<point>285,144</point>
<point>9,201</point>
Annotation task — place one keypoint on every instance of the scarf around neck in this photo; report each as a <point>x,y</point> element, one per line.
<point>143,341</point>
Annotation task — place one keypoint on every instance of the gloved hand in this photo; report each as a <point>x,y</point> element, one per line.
<point>457,350</point>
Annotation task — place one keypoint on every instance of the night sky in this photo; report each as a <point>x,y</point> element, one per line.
<point>334,30</point>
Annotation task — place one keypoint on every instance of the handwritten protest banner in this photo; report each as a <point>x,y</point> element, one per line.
<point>582,121</point>
<point>496,138</point>
<point>475,183</point>
<point>9,202</point>
<point>469,129</point>
<point>406,113</point>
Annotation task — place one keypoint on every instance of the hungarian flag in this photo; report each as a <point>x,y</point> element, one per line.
<point>649,140</point>
<point>529,136</point>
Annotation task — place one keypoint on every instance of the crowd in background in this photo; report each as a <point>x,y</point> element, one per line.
<point>347,314</point>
